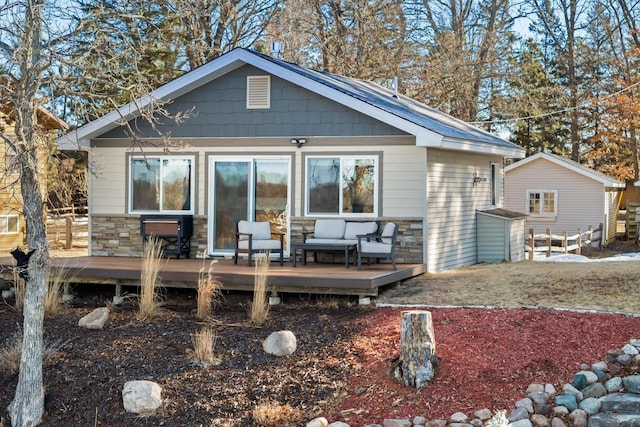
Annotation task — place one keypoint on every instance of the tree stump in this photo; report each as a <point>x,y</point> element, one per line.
<point>418,361</point>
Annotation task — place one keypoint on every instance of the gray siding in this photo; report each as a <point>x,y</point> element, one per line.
<point>219,109</point>
<point>500,239</point>
<point>453,200</point>
<point>493,239</point>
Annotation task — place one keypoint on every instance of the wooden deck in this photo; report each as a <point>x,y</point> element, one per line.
<point>316,278</point>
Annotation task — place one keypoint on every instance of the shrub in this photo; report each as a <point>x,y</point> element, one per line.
<point>208,292</point>
<point>259,312</point>
<point>20,287</point>
<point>268,414</point>
<point>57,281</point>
<point>149,300</point>
<point>204,342</point>
<point>11,352</point>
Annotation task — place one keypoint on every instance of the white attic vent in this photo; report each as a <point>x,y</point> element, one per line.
<point>258,92</point>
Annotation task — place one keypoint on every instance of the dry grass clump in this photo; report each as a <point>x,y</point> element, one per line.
<point>204,342</point>
<point>273,414</point>
<point>57,281</point>
<point>20,287</point>
<point>209,293</point>
<point>259,310</point>
<point>149,301</point>
<point>11,351</point>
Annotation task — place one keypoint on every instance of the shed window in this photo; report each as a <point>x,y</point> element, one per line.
<point>342,185</point>
<point>8,224</point>
<point>542,202</point>
<point>258,92</point>
<point>161,184</point>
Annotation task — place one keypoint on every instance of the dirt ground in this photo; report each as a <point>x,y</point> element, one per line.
<point>342,368</point>
<point>602,286</point>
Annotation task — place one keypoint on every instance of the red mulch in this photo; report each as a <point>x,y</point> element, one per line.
<point>487,359</point>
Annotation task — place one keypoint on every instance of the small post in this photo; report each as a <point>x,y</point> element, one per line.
<point>68,243</point>
<point>565,242</point>
<point>274,298</point>
<point>579,250</point>
<point>532,244</point>
<point>118,298</point>
<point>548,242</point>
<point>418,361</point>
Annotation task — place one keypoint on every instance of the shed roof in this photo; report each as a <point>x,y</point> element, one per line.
<point>605,180</point>
<point>431,127</point>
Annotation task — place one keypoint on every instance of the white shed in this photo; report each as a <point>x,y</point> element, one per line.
<point>562,195</point>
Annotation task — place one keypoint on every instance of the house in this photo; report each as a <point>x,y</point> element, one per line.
<point>562,195</point>
<point>270,140</point>
<point>12,224</point>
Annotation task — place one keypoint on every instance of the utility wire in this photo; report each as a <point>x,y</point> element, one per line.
<point>553,113</point>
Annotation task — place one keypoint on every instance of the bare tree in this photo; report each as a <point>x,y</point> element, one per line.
<point>49,53</point>
<point>465,45</point>
<point>561,23</point>
<point>355,38</point>
<point>211,27</point>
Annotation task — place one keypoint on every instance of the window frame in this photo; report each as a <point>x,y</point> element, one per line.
<point>542,213</point>
<point>160,210</point>
<point>494,177</point>
<point>376,158</point>
<point>5,230</point>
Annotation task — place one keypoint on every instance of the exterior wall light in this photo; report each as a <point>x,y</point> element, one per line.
<point>298,141</point>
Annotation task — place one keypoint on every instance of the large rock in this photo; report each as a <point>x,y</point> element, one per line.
<point>569,401</point>
<point>280,343</point>
<point>141,397</point>
<point>579,418</point>
<point>630,350</point>
<point>594,390</point>
<point>397,423</point>
<point>632,383</point>
<point>613,385</point>
<point>96,319</point>
<point>318,422</point>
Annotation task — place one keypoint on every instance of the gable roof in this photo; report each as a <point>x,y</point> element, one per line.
<point>431,128</point>
<point>581,169</point>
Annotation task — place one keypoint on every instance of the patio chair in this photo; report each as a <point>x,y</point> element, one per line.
<point>379,246</point>
<point>256,237</point>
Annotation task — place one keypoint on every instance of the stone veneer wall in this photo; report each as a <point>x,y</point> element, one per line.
<point>119,235</point>
<point>410,231</point>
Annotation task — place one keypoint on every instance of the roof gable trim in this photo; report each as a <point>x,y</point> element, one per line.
<point>606,181</point>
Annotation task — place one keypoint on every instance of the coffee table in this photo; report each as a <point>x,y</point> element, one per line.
<point>316,247</point>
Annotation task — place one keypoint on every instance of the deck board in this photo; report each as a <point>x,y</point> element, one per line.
<point>323,278</point>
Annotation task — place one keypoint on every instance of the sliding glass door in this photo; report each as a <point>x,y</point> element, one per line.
<point>254,188</point>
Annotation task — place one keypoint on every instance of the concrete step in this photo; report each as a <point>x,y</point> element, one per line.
<point>608,419</point>
<point>620,402</point>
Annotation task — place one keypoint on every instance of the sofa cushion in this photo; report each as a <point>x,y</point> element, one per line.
<point>353,229</point>
<point>336,242</point>
<point>375,248</point>
<point>329,229</point>
<point>260,245</point>
<point>260,230</point>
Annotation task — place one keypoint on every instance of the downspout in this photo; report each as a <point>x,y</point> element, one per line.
<point>425,210</point>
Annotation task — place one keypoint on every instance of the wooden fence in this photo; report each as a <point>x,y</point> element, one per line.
<point>67,227</point>
<point>563,242</point>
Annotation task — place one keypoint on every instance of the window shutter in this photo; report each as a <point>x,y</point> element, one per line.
<point>258,92</point>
